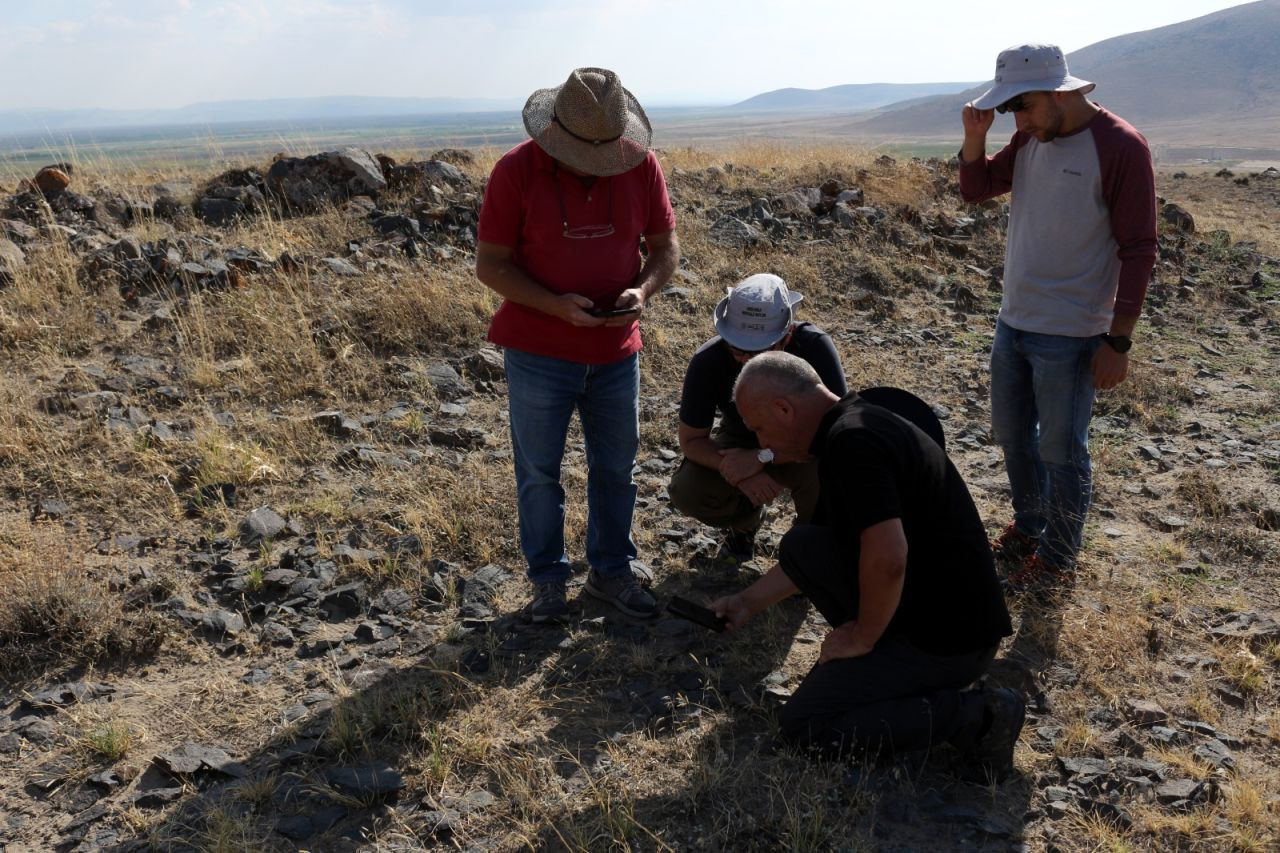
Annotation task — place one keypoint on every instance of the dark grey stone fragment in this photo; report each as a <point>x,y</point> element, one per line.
<point>1175,789</point>
<point>107,779</point>
<point>1215,752</point>
<point>295,828</point>
<point>223,623</point>
<point>344,602</point>
<point>154,798</point>
<point>1107,812</point>
<point>191,758</point>
<point>372,632</point>
<point>376,779</point>
<point>1251,626</point>
<point>263,524</point>
<point>69,693</point>
<point>277,634</point>
<point>1144,712</point>
<point>1166,735</point>
<point>317,648</point>
<point>255,677</point>
<point>337,424</point>
<point>345,554</point>
<point>394,600</point>
<point>1072,767</point>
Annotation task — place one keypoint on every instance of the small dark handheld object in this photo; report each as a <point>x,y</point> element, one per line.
<point>696,613</point>
<point>612,312</point>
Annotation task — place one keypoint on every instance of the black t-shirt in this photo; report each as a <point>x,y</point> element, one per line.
<point>874,466</point>
<point>708,382</point>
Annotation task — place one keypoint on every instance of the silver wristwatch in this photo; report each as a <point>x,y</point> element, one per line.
<point>764,455</point>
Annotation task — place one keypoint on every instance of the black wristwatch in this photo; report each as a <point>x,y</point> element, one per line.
<point>1119,343</point>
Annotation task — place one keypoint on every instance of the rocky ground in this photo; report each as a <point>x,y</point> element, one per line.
<point>258,581</point>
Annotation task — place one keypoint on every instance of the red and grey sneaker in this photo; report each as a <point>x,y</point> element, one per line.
<point>1038,577</point>
<point>1014,546</point>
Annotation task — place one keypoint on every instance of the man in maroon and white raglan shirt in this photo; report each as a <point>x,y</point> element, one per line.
<point>559,239</point>
<point>1080,249</point>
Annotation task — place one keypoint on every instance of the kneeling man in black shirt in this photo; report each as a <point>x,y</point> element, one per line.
<point>897,561</point>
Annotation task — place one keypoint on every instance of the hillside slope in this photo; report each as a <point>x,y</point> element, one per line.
<point>1222,71</point>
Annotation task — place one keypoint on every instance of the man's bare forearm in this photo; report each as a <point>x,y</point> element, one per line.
<point>769,590</point>
<point>510,282</point>
<point>661,264</point>
<point>1123,326</point>
<point>974,148</point>
<point>882,571</point>
<point>703,451</point>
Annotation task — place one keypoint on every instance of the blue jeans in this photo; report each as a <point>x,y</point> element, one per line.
<point>543,393</point>
<point>1041,402</point>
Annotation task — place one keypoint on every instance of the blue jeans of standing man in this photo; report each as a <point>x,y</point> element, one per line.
<point>1041,402</point>
<point>543,394</point>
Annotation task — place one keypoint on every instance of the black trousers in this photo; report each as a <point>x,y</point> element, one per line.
<point>896,698</point>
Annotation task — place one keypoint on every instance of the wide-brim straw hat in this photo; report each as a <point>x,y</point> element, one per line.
<point>590,122</point>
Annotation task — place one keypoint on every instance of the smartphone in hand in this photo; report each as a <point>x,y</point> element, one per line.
<point>696,613</point>
<point>612,312</point>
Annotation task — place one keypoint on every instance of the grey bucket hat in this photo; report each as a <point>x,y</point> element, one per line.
<point>590,122</point>
<point>757,312</point>
<point>1030,68</point>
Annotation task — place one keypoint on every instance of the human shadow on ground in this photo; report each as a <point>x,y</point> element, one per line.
<point>335,778</point>
<point>744,791</point>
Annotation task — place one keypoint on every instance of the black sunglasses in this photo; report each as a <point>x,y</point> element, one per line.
<point>1016,104</point>
<point>752,353</point>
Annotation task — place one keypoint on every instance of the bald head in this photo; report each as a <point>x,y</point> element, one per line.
<point>782,400</point>
<point>777,374</point>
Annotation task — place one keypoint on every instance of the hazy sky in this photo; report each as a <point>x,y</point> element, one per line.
<point>168,53</point>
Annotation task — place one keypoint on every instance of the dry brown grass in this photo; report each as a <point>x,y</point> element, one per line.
<point>572,769</point>
<point>1219,205</point>
<point>56,610</point>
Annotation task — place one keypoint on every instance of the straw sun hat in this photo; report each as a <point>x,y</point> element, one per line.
<point>590,123</point>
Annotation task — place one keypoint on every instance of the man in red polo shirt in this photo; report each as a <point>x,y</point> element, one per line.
<point>560,240</point>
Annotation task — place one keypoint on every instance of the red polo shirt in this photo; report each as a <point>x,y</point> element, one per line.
<point>521,210</point>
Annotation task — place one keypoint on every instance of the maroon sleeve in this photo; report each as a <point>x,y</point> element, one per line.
<point>989,177</point>
<point>503,208</point>
<point>662,218</point>
<point>1129,188</point>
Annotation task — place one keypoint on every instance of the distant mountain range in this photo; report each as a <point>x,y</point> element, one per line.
<point>1216,77</point>
<point>853,96</point>
<point>278,109</point>
<point>1214,80</point>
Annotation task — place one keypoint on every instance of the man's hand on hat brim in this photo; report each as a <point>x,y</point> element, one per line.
<point>976,122</point>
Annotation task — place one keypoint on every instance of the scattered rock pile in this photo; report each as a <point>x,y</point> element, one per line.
<point>439,214</point>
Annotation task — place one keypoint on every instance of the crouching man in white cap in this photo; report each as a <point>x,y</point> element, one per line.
<point>560,239</point>
<point>1081,246</point>
<point>726,479</point>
